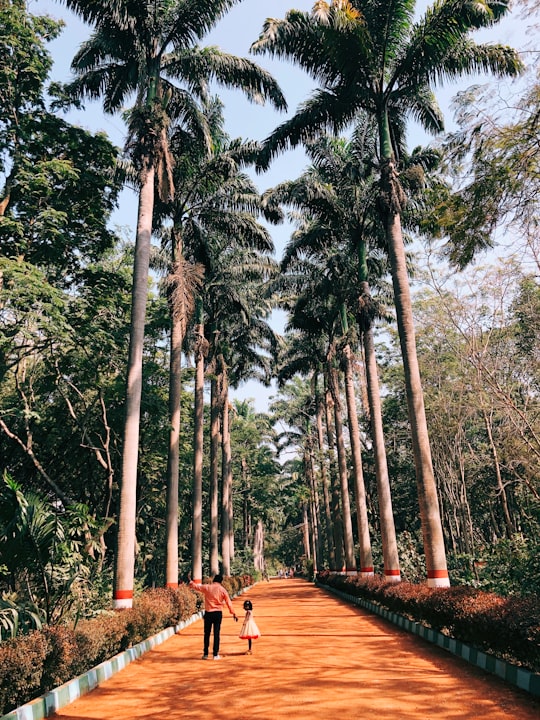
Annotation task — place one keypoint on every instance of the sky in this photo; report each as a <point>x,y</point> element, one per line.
<point>234,34</point>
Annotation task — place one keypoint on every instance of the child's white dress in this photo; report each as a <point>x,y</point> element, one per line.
<point>249,630</point>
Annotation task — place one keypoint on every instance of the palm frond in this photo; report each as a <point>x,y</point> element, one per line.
<point>325,110</point>
<point>230,71</point>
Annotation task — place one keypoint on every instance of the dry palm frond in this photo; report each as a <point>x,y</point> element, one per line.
<point>183,284</point>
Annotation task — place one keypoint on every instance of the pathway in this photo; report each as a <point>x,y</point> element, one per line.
<point>318,658</point>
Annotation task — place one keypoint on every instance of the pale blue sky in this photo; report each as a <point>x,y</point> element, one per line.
<point>234,34</point>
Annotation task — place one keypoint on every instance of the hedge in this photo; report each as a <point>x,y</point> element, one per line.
<point>508,627</point>
<point>34,664</point>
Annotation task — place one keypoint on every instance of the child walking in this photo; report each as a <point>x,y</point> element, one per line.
<point>249,630</point>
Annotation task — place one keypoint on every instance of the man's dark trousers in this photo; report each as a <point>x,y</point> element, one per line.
<point>212,620</point>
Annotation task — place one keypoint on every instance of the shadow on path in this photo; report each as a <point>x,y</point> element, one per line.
<point>318,658</point>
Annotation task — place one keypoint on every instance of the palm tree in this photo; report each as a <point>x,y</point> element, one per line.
<point>215,442</point>
<point>303,353</point>
<point>325,471</point>
<point>209,192</point>
<point>296,409</point>
<point>371,56</point>
<point>314,504</point>
<point>343,206</point>
<point>335,392</point>
<point>182,284</point>
<point>214,211</point>
<point>237,316</point>
<point>337,517</point>
<point>200,352</point>
<point>148,50</point>
<point>313,311</point>
<point>333,207</point>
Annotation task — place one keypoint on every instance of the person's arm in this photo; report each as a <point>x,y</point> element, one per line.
<point>229,605</point>
<point>196,586</point>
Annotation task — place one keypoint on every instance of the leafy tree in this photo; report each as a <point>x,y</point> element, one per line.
<point>491,166</point>
<point>57,193</point>
<point>483,416</point>
<point>44,550</point>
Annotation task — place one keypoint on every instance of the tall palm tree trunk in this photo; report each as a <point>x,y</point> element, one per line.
<point>386,514</point>
<point>331,556</point>
<point>125,555</point>
<point>258,547</point>
<point>437,572</point>
<point>198,440</point>
<point>348,539</point>
<point>173,459</point>
<point>178,315</point>
<point>366,557</point>
<point>305,531</point>
<point>246,500</point>
<point>226,475</point>
<point>232,548</point>
<point>230,507</point>
<point>314,505</point>
<point>308,528</point>
<point>337,520</point>
<point>215,413</point>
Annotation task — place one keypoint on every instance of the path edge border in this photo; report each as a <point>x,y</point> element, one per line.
<point>47,704</point>
<point>513,674</point>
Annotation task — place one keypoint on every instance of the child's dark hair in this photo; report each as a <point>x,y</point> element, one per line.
<point>248,605</point>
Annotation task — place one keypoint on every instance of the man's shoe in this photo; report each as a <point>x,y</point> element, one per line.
<point>204,657</point>
<point>217,657</point>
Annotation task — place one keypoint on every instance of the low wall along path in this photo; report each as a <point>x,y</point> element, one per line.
<point>318,657</point>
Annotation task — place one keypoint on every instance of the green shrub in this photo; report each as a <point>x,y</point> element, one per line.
<point>185,602</point>
<point>101,638</point>
<point>153,611</point>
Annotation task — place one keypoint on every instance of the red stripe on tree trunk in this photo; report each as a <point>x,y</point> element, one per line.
<point>433,574</point>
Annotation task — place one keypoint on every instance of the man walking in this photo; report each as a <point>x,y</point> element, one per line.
<point>215,596</point>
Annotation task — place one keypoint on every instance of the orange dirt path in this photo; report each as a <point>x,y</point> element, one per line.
<point>317,657</point>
